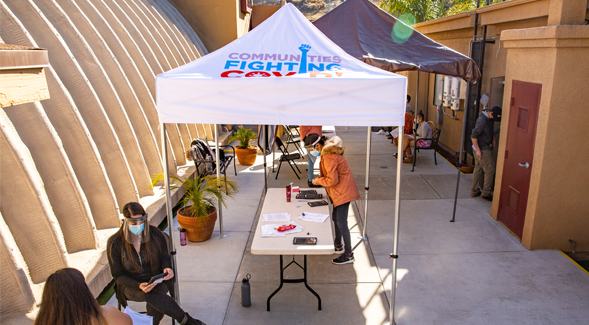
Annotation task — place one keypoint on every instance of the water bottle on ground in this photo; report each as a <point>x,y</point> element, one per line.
<point>245,291</point>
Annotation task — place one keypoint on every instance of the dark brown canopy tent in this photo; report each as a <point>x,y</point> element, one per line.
<point>370,34</point>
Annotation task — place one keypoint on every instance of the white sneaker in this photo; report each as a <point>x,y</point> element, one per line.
<point>381,132</point>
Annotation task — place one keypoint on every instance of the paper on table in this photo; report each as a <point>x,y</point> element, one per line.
<point>270,231</point>
<point>279,217</point>
<point>137,318</point>
<point>315,217</point>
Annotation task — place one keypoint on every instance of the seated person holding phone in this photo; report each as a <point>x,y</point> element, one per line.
<point>137,253</point>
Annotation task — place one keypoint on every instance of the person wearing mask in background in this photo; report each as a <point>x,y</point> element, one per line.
<point>336,177</point>
<point>310,134</point>
<point>137,252</point>
<point>483,141</point>
<point>423,131</point>
<point>67,300</point>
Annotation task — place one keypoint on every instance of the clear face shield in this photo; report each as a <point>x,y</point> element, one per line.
<point>136,229</point>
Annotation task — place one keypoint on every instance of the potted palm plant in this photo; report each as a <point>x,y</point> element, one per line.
<point>199,214</point>
<point>246,153</point>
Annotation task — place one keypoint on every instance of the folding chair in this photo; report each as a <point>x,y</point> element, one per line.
<point>433,146</point>
<point>287,157</point>
<point>200,150</point>
<point>293,129</point>
<point>292,139</point>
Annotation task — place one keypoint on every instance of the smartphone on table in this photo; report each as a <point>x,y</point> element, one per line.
<point>317,203</point>
<point>304,241</point>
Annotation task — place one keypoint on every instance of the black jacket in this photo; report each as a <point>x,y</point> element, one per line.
<point>121,267</point>
<point>483,131</point>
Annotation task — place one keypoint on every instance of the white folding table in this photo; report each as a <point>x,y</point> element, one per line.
<point>275,202</point>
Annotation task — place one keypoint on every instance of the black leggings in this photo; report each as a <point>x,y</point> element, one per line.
<point>158,302</point>
<point>340,218</point>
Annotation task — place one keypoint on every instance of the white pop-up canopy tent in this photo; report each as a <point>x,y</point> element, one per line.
<point>285,71</point>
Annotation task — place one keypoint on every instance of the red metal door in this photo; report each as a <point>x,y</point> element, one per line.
<point>519,152</point>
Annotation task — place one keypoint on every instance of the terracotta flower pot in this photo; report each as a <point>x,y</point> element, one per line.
<point>197,229</point>
<point>246,157</point>
<point>467,169</point>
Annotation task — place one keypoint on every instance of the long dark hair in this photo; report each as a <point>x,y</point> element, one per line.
<point>68,300</point>
<point>152,251</point>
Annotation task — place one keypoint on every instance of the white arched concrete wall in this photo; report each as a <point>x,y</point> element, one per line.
<point>70,162</point>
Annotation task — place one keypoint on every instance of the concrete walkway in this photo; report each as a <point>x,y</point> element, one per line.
<point>472,271</point>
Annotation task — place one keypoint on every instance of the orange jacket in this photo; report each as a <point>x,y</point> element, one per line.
<point>408,123</point>
<point>336,176</point>
<point>305,129</point>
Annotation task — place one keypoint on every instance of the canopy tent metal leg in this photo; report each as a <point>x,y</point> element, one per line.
<point>219,205</point>
<point>366,183</point>
<point>459,165</point>
<point>394,255</point>
<point>265,131</point>
<point>169,213</point>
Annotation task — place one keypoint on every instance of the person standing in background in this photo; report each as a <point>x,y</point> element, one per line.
<point>483,141</point>
<point>309,136</point>
<point>408,106</point>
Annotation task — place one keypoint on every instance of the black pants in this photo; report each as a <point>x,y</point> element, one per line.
<point>340,218</point>
<point>158,302</point>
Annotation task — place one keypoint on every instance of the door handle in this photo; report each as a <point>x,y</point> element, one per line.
<point>526,165</point>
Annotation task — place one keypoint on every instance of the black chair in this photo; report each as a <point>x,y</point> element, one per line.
<point>434,145</point>
<point>200,150</point>
<point>287,157</point>
<point>292,139</point>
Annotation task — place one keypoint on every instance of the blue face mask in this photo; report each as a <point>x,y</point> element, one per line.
<point>136,229</point>
<point>315,153</point>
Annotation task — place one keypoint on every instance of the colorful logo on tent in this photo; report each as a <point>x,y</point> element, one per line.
<point>252,65</point>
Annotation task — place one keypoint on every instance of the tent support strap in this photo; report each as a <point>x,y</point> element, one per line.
<point>169,213</point>
<point>219,205</point>
<point>396,226</point>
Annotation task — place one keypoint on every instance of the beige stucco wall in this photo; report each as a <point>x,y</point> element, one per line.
<point>557,57</point>
<point>262,12</point>
<point>217,22</point>
<point>443,31</point>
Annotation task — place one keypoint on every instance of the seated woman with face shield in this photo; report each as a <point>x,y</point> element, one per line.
<point>137,252</point>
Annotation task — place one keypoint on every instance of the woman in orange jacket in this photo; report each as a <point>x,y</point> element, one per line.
<point>337,179</point>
